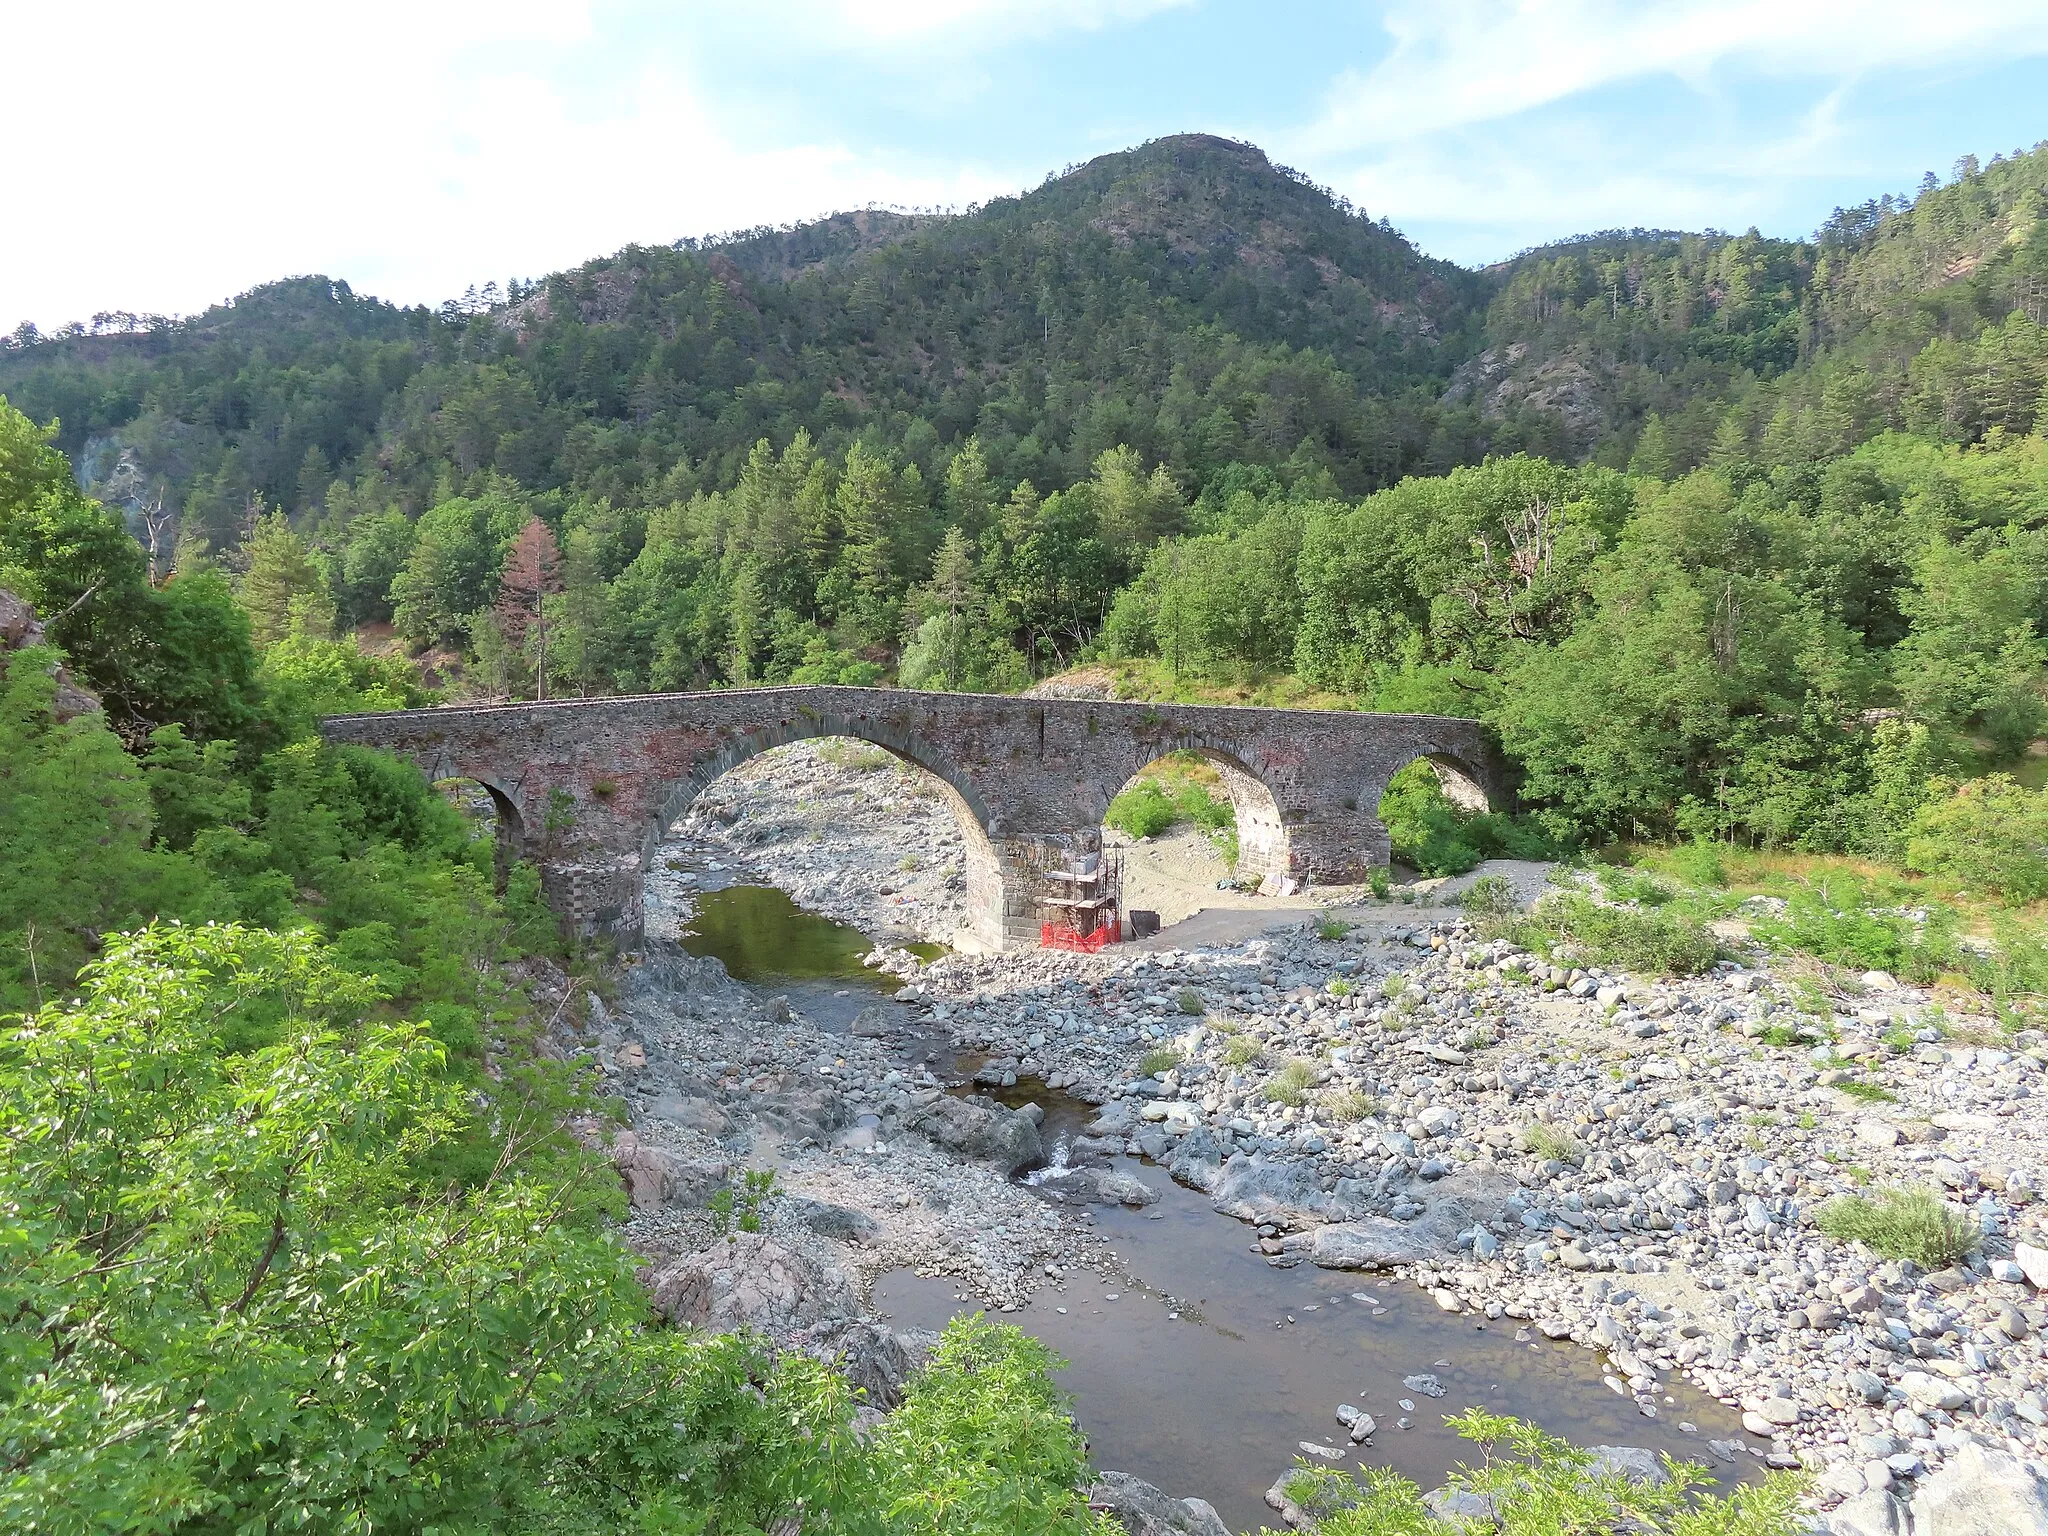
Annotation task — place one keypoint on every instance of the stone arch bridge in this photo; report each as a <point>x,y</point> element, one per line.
<point>585,788</point>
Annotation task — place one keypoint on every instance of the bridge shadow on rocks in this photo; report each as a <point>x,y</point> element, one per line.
<point>585,788</point>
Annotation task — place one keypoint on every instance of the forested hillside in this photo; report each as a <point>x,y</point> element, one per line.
<point>1739,544</point>
<point>1130,415</point>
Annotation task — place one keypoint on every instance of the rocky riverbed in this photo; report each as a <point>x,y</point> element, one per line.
<point>1627,1163</point>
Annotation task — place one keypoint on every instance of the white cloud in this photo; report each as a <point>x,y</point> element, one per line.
<point>873,22</point>
<point>411,149</point>
<point>1458,62</point>
<point>1490,126</point>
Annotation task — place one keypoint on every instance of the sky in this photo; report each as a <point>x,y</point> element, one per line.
<point>168,157</point>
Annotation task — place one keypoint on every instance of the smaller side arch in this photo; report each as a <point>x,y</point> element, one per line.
<point>1463,785</point>
<point>1264,843</point>
<point>509,831</point>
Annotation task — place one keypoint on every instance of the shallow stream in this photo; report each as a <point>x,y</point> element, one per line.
<point>1206,1379</point>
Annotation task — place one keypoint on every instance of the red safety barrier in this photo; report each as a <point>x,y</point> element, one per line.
<point>1060,936</point>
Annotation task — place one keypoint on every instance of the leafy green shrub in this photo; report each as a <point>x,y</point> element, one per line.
<point>1290,1085</point>
<point>1697,863</point>
<point>1329,926</point>
<point>738,1207</point>
<point>1988,834</point>
<point>2017,965</point>
<point>983,1444</point>
<point>1540,1485</point>
<point>1910,1224</point>
<point>1489,899</point>
<point>482,1360</point>
<point>1439,838</point>
<point>1154,1062</point>
<point>1631,885</point>
<point>1838,919</point>
<point>1143,810</point>
<point>1660,942</point>
<point>1425,827</point>
<point>1172,791</point>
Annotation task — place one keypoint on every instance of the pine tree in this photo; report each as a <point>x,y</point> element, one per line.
<point>969,498</point>
<point>748,619</point>
<point>283,584</point>
<point>532,572</point>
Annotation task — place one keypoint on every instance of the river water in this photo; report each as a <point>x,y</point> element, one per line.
<point>1206,1378</point>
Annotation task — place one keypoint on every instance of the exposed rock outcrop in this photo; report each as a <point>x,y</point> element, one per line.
<point>751,1281</point>
<point>20,629</point>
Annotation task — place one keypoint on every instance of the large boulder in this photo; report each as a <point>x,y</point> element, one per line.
<point>840,1222</point>
<point>1142,1510</point>
<point>1875,1513</point>
<point>1096,1186</point>
<point>668,974</point>
<point>657,1178</point>
<point>1371,1242</point>
<point>1252,1189</point>
<point>1463,1200</point>
<point>870,1357</point>
<point>801,1112</point>
<point>978,1131</point>
<point>1981,1490</point>
<point>751,1281</point>
<point>1637,1463</point>
<point>1197,1160</point>
<point>20,629</point>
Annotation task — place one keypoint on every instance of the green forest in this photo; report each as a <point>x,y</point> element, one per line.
<point>1740,544</point>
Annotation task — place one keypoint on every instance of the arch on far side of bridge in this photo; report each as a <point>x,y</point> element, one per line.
<point>1262,838</point>
<point>1462,783</point>
<point>984,863</point>
<point>508,826</point>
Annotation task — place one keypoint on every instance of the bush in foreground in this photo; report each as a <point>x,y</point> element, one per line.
<point>244,1294</point>
<point>1539,1485</point>
<point>1913,1224</point>
<point>1656,941</point>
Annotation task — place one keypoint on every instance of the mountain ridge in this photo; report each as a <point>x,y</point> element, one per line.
<point>1186,297</point>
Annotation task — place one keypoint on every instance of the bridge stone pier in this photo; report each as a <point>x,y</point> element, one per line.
<point>585,788</point>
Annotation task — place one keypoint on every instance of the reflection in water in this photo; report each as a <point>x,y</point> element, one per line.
<point>762,935</point>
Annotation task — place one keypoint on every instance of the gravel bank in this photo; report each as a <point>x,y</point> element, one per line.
<point>1630,1163</point>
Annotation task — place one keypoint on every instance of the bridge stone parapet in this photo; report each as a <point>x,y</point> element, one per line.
<point>585,788</point>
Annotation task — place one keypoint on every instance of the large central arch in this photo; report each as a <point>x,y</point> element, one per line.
<point>984,863</point>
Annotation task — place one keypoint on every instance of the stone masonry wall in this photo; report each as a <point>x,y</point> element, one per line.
<point>585,787</point>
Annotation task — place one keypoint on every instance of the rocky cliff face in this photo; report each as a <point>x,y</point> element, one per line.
<point>19,629</point>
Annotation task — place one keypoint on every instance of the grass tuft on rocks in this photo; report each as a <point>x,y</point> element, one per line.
<point>1351,1105</point>
<point>1290,1085</point>
<point>1242,1051</point>
<point>1912,1224</point>
<point>1152,1063</point>
<point>1552,1143</point>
